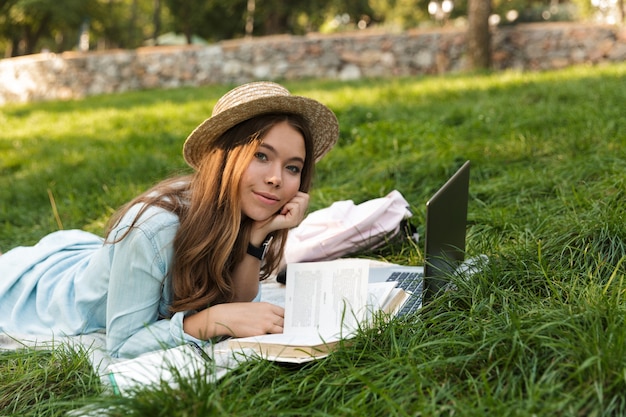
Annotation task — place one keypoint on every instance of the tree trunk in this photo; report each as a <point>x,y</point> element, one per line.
<point>32,34</point>
<point>187,26</point>
<point>156,20</point>
<point>275,23</point>
<point>132,25</point>
<point>478,36</point>
<point>13,49</point>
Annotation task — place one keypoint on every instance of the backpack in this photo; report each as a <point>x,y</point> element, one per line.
<point>346,228</point>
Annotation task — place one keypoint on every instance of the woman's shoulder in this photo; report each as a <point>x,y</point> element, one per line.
<point>149,219</point>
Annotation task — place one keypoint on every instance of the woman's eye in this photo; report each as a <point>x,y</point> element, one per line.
<point>294,169</point>
<point>261,156</point>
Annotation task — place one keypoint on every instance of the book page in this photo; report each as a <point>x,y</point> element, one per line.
<point>285,339</point>
<point>378,293</point>
<point>326,298</point>
<point>296,348</point>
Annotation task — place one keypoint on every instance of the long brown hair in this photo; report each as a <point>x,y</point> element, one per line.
<point>213,234</point>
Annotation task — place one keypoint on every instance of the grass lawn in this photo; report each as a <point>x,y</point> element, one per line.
<point>541,331</point>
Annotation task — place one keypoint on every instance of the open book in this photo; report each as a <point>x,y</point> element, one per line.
<point>325,302</point>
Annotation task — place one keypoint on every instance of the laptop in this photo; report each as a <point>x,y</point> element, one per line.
<point>444,245</point>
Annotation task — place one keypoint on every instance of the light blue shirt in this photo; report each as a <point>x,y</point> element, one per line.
<point>71,283</point>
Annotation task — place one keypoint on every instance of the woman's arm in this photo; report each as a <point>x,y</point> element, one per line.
<point>235,319</point>
<point>246,274</point>
<point>137,290</point>
<point>242,318</point>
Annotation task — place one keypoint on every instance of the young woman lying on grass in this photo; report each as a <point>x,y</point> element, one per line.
<point>182,261</point>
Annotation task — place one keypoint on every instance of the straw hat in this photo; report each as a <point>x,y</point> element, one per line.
<point>253,99</point>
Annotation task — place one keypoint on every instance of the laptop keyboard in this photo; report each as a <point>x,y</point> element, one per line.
<point>412,283</point>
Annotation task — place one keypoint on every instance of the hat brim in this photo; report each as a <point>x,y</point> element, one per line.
<point>322,123</point>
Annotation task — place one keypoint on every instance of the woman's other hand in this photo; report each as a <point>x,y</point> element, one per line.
<point>236,319</point>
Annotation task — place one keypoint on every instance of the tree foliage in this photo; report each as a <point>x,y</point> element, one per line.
<point>28,26</point>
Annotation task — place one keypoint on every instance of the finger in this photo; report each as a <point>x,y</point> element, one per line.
<point>295,207</point>
<point>278,310</point>
<point>300,199</point>
<point>279,321</point>
<point>301,202</point>
<point>303,195</point>
<point>294,210</point>
<point>276,329</point>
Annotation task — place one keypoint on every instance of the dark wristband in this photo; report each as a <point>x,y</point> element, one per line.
<point>257,252</point>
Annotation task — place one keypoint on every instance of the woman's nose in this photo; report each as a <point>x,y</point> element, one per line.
<point>273,178</point>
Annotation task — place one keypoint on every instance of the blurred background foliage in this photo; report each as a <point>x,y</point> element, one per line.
<point>33,26</point>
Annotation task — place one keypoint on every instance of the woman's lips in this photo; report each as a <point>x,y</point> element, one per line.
<point>267,198</point>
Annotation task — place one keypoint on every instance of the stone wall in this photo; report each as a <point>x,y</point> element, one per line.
<point>346,56</point>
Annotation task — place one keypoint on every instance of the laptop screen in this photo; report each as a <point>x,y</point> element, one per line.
<point>446,219</point>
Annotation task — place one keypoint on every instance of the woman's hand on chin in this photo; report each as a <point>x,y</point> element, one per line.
<point>289,216</point>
